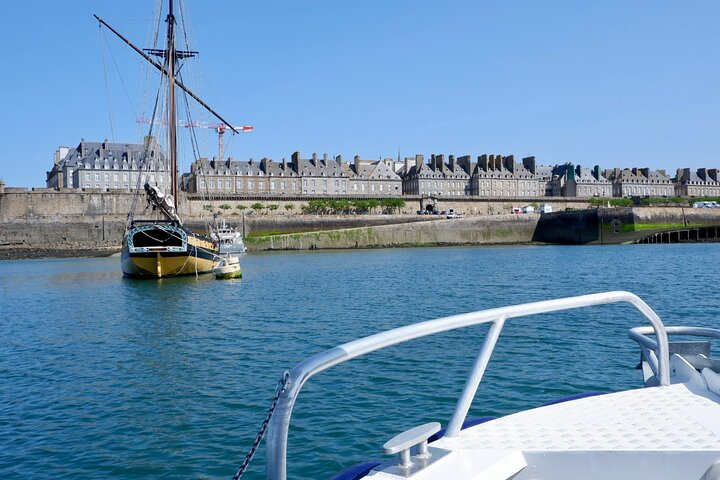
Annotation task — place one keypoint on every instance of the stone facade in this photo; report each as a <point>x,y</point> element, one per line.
<point>121,166</point>
<point>232,177</point>
<point>576,181</point>
<point>701,183</point>
<point>109,166</point>
<point>309,177</point>
<point>640,182</point>
<point>373,177</point>
<point>437,178</point>
<point>497,176</point>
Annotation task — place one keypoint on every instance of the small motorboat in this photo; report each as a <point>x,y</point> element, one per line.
<point>228,267</point>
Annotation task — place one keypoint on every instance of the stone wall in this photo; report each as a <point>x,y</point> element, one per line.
<point>505,229</point>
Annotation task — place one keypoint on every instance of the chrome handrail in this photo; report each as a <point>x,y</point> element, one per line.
<point>649,347</point>
<point>276,455</point>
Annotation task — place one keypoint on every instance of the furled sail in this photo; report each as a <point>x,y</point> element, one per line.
<point>162,201</point>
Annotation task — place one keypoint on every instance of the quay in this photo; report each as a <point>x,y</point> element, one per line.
<point>48,222</point>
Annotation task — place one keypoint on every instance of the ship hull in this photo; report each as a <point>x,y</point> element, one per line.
<point>158,250</point>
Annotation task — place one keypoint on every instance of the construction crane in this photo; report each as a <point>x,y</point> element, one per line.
<point>220,128</point>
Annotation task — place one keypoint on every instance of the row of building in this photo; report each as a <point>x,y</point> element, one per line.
<point>122,166</point>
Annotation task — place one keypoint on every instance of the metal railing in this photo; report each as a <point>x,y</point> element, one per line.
<point>276,466</point>
<point>649,347</point>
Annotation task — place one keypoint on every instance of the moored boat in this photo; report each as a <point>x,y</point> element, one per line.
<point>163,246</point>
<point>228,238</point>
<point>666,429</point>
<point>228,267</point>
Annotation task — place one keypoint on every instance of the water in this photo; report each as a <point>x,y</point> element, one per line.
<point>102,377</point>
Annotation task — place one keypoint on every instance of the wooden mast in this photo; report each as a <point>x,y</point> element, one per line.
<point>172,119</point>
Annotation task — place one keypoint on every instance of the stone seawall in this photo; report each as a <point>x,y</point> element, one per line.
<point>501,229</point>
<point>51,218</point>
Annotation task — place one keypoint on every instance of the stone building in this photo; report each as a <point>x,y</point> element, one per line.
<point>109,166</point>
<point>322,177</point>
<point>437,178</point>
<point>497,176</point>
<point>369,177</point>
<point>701,183</point>
<point>232,177</point>
<point>641,182</point>
<point>312,177</point>
<point>576,181</point>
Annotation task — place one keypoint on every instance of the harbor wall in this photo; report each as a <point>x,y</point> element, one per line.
<point>474,230</point>
<point>48,216</point>
<point>48,203</point>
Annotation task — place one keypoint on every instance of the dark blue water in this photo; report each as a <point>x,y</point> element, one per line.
<point>102,377</point>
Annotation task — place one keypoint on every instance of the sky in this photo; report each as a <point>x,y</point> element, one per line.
<point>614,83</point>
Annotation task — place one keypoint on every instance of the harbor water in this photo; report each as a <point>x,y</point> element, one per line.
<point>103,377</point>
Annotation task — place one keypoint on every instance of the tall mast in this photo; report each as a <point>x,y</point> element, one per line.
<point>172,120</point>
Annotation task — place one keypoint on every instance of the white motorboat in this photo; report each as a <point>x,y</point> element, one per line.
<point>228,238</point>
<point>228,267</point>
<point>668,429</point>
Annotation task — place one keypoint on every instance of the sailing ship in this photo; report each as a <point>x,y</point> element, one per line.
<point>163,246</point>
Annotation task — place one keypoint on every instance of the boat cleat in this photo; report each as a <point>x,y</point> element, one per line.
<point>414,439</point>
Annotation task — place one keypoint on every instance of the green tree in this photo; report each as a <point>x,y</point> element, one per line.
<point>241,207</point>
<point>272,207</point>
<point>289,206</point>
<point>225,206</point>
<point>373,204</point>
<point>209,208</point>
<point>360,206</point>
<point>257,206</point>
<point>392,204</point>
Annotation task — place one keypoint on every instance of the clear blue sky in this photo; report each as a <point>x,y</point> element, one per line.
<point>615,83</point>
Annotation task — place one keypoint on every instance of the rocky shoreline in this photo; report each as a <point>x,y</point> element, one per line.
<point>16,251</point>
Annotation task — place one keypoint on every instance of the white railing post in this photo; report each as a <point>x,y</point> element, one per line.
<point>473,381</point>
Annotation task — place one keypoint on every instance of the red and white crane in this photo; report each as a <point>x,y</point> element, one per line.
<point>220,128</point>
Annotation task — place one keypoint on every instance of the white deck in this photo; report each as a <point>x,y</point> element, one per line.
<point>662,432</point>
<point>667,418</point>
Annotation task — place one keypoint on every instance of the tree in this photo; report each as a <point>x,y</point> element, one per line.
<point>273,207</point>
<point>391,204</point>
<point>289,206</point>
<point>257,206</point>
<point>241,207</point>
<point>209,208</point>
<point>373,204</point>
<point>225,206</point>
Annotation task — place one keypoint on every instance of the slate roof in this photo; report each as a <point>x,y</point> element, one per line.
<point>112,154</point>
